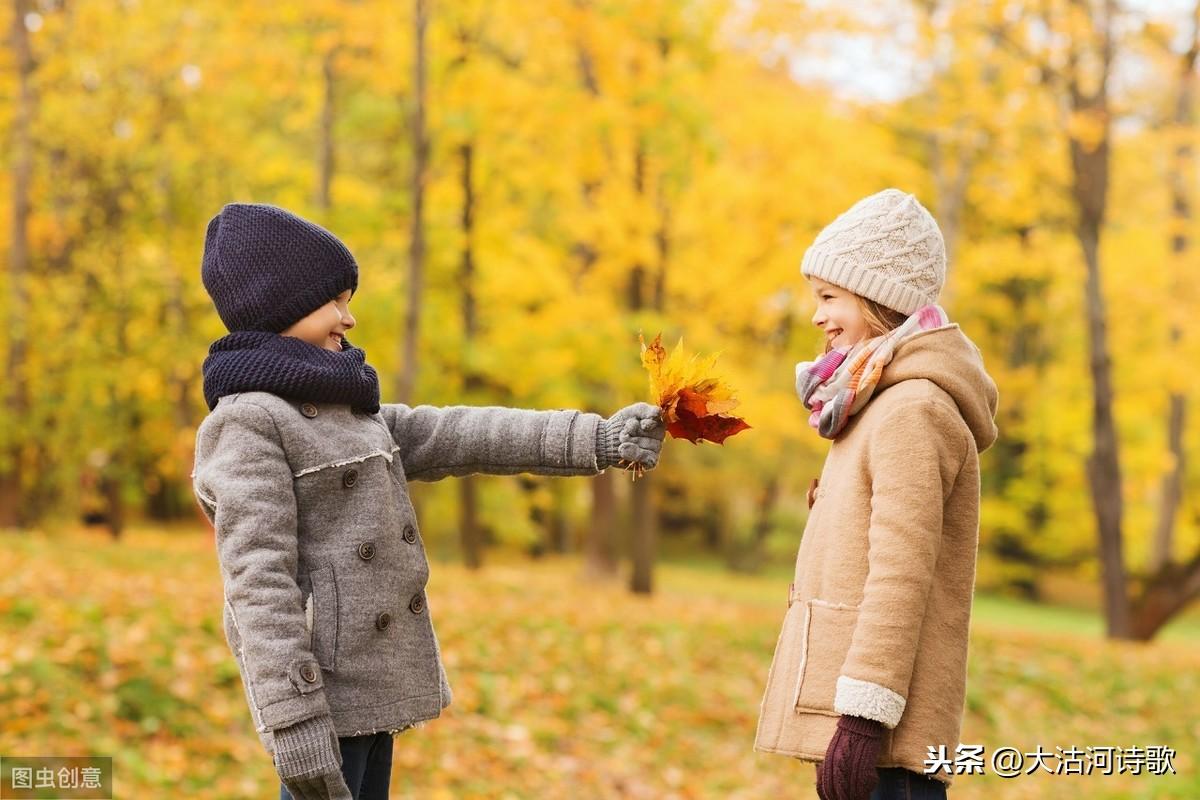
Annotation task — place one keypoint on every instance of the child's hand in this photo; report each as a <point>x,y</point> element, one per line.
<point>634,435</point>
<point>848,771</point>
<point>308,759</point>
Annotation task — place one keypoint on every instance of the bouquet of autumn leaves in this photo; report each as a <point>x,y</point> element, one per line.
<point>695,405</point>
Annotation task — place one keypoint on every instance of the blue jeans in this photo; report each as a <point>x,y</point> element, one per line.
<point>366,766</point>
<point>897,783</point>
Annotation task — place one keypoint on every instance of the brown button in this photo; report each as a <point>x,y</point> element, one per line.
<point>349,478</point>
<point>812,493</point>
<point>417,605</point>
<point>308,673</point>
<point>366,551</point>
<point>383,620</point>
<point>410,534</point>
<point>308,410</point>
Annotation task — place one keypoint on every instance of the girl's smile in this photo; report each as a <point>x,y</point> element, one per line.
<point>838,314</point>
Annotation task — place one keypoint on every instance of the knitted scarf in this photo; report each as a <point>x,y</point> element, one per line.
<point>838,384</point>
<point>252,361</point>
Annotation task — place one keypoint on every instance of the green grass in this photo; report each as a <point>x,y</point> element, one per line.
<point>998,611</point>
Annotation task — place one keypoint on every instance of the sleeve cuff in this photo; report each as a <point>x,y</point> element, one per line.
<point>308,700</point>
<point>569,441</point>
<point>861,726</point>
<point>868,700</point>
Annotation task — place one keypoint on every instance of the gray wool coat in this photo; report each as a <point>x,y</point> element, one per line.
<point>320,552</point>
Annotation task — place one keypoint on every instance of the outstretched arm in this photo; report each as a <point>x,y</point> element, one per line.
<point>436,442</point>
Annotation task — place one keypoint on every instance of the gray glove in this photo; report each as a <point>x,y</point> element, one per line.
<point>309,760</point>
<point>634,434</point>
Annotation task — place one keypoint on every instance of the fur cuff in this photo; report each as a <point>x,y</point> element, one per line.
<point>868,700</point>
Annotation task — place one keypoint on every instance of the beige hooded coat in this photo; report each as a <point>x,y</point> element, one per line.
<point>878,616</point>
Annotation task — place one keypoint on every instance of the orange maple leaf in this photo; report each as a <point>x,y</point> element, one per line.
<point>695,405</point>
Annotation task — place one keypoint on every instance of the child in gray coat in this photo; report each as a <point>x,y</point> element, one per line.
<point>303,474</point>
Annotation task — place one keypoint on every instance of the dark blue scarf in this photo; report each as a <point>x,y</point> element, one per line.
<point>259,361</point>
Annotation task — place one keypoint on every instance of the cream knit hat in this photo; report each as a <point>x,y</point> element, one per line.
<point>886,248</point>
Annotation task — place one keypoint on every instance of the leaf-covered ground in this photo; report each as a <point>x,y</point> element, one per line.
<point>563,688</point>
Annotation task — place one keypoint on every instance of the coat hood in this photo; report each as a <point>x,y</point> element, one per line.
<point>949,359</point>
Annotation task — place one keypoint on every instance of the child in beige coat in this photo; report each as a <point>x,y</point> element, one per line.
<point>871,665</point>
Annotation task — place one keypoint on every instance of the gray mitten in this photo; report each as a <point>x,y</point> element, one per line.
<point>634,434</point>
<point>309,760</point>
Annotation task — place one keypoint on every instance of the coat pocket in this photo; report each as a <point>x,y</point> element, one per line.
<point>324,608</point>
<point>825,640</point>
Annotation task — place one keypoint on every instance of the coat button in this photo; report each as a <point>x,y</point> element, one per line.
<point>308,673</point>
<point>349,478</point>
<point>308,410</point>
<point>812,493</point>
<point>366,551</point>
<point>383,620</point>
<point>417,605</point>
<point>410,534</point>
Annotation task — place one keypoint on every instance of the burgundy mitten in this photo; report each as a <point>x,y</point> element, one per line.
<point>848,771</point>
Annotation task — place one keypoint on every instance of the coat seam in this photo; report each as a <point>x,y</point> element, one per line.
<point>568,441</point>
<point>334,612</point>
<point>343,462</point>
<point>804,630</point>
<point>210,500</point>
<point>479,467</point>
<point>261,726</point>
<point>542,439</point>
<point>808,606</point>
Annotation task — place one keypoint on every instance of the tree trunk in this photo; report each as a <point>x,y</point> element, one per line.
<point>16,402</point>
<point>642,517</point>
<point>325,165</point>
<point>1172,587</point>
<point>407,379</point>
<point>662,243</point>
<point>1171,591</point>
<point>1103,465</point>
<point>601,550</point>
<point>472,539</point>
<point>1171,493</point>
<point>1089,188</point>
<point>114,505</point>
<point>125,417</point>
<point>714,524</point>
<point>180,381</point>
<point>950,191</point>
<point>643,544</point>
<point>637,274</point>
<point>470,534</point>
<point>557,530</point>
<point>1181,217</point>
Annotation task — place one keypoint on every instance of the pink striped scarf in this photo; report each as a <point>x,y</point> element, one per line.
<point>838,384</point>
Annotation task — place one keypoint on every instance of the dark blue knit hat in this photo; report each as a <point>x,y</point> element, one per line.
<point>266,268</point>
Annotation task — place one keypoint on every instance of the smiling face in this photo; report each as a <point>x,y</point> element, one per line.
<point>325,326</point>
<point>839,314</point>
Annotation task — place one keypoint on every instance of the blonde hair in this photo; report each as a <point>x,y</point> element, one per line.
<point>880,319</point>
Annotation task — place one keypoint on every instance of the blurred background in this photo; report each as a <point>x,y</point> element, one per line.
<point>527,186</point>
